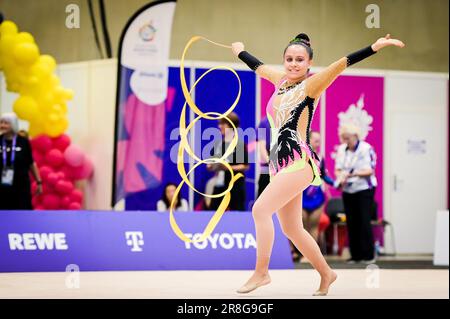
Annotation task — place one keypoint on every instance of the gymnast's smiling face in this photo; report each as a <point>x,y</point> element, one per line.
<point>296,62</point>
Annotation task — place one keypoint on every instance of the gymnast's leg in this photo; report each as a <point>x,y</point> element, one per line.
<point>282,188</point>
<point>291,223</point>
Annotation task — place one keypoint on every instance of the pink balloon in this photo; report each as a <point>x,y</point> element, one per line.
<point>54,158</point>
<point>61,142</point>
<point>74,156</point>
<point>44,171</point>
<point>50,201</point>
<point>64,187</point>
<point>88,168</point>
<point>42,143</point>
<point>76,196</point>
<point>74,206</point>
<point>84,171</point>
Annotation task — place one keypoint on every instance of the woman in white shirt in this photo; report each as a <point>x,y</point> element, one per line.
<point>163,204</point>
<point>355,172</point>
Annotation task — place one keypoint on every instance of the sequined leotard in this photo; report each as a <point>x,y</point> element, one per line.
<point>290,111</point>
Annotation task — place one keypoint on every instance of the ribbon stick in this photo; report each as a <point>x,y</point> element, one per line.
<point>185,147</point>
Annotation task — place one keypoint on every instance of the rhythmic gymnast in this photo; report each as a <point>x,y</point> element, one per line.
<point>290,111</point>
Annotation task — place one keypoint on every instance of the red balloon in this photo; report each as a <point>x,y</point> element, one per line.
<point>39,207</point>
<point>61,175</point>
<point>50,201</point>
<point>42,143</point>
<point>52,178</point>
<point>44,171</point>
<point>74,206</point>
<point>67,171</point>
<point>65,202</point>
<point>38,158</point>
<point>61,142</point>
<point>64,187</point>
<point>36,200</point>
<point>33,187</point>
<point>76,196</point>
<point>54,157</point>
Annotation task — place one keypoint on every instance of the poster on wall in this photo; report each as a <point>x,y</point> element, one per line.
<point>359,100</point>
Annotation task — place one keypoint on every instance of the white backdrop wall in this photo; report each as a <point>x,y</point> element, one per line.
<point>91,118</point>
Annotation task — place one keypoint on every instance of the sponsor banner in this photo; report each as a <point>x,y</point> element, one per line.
<point>131,240</point>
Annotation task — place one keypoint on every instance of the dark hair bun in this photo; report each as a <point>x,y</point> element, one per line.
<point>302,37</point>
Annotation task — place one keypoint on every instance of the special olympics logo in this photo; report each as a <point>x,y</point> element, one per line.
<point>147,32</point>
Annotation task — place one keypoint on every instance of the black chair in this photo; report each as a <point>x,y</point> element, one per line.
<point>335,210</point>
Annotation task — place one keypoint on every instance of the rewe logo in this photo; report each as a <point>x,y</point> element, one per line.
<point>224,240</point>
<point>35,241</point>
<point>135,239</point>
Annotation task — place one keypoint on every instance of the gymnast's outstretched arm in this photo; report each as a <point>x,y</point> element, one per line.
<point>271,74</point>
<point>317,83</point>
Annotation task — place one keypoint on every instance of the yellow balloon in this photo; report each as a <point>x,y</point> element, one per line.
<point>13,87</point>
<point>7,44</point>
<point>54,118</point>
<point>54,79</point>
<point>8,27</point>
<point>54,129</point>
<point>68,94</point>
<point>40,69</point>
<point>58,109</point>
<point>24,37</point>
<point>26,53</point>
<point>46,98</point>
<point>49,61</point>
<point>25,107</point>
<point>35,129</point>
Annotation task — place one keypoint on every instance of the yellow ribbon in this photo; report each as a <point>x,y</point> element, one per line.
<point>184,146</point>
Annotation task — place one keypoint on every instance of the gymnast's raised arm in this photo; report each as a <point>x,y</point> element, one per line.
<point>264,71</point>
<point>320,81</point>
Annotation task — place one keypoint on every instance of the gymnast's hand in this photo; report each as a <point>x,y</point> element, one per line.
<point>237,47</point>
<point>386,41</point>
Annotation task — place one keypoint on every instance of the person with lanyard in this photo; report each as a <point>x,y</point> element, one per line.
<point>293,166</point>
<point>239,163</point>
<point>355,171</point>
<point>17,161</point>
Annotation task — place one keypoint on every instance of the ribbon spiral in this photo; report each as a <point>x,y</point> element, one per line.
<point>184,146</point>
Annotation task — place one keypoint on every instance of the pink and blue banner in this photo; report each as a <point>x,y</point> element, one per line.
<point>146,107</point>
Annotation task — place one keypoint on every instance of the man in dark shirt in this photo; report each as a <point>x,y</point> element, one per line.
<point>238,161</point>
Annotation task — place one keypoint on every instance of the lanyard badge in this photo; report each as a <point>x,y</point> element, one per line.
<point>8,171</point>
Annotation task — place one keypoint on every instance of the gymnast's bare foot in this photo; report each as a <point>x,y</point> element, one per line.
<point>325,283</point>
<point>255,281</point>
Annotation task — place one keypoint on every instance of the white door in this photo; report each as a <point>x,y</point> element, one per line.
<point>416,154</point>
